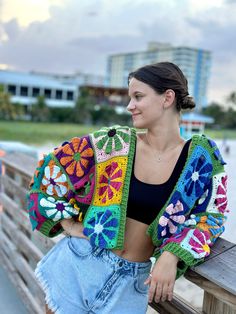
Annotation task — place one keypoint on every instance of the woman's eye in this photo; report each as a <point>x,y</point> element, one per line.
<point>138,97</point>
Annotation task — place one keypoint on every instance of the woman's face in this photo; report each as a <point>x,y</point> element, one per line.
<point>146,106</point>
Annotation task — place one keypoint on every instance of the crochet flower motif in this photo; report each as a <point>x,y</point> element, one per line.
<point>172,216</point>
<point>102,228</point>
<point>110,181</point>
<point>112,136</point>
<point>199,242</point>
<point>54,181</point>
<point>36,173</point>
<point>76,156</point>
<point>36,218</point>
<point>213,225</point>
<point>221,198</point>
<point>57,210</point>
<point>198,177</point>
<point>216,153</point>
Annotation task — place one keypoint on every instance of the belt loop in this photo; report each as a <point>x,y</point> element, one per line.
<point>96,251</point>
<point>136,270</point>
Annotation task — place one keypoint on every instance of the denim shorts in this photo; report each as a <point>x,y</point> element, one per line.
<point>78,278</point>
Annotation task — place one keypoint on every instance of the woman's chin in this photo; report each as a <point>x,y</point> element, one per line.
<point>138,125</point>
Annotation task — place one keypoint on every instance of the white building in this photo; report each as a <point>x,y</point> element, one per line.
<point>195,64</point>
<point>58,90</point>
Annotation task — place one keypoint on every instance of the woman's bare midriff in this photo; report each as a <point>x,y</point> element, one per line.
<point>138,246</point>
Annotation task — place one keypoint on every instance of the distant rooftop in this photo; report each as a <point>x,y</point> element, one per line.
<point>31,79</point>
<point>196,117</point>
<point>155,46</point>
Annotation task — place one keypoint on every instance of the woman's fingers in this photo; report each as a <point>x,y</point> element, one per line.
<point>164,292</point>
<point>152,290</point>
<point>159,291</point>
<point>170,291</point>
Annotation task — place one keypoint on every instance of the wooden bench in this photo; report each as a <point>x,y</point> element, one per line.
<point>21,249</point>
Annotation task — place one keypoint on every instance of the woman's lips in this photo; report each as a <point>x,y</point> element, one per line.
<point>134,115</point>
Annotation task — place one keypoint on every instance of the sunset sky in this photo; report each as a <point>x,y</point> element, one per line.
<point>64,36</point>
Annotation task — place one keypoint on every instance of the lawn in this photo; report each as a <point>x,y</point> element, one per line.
<point>220,134</point>
<point>42,133</point>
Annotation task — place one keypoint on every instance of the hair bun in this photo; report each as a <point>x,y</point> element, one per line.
<point>188,103</point>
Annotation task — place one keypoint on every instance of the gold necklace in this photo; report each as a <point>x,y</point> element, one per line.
<point>157,157</point>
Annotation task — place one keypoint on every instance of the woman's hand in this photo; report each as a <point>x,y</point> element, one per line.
<point>73,228</point>
<point>162,278</point>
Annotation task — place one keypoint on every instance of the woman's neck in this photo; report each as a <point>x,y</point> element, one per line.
<point>163,139</point>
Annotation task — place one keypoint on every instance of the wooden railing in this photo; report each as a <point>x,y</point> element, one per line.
<point>21,249</point>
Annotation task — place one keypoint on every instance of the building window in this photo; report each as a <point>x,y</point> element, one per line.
<point>24,91</point>
<point>70,95</point>
<point>35,92</point>
<point>47,93</point>
<point>58,94</point>
<point>11,89</point>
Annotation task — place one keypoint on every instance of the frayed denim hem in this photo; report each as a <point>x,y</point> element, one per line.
<point>47,290</point>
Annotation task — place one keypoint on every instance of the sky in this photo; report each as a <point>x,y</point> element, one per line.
<point>65,36</point>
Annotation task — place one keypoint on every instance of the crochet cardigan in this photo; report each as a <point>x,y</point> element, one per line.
<point>88,178</point>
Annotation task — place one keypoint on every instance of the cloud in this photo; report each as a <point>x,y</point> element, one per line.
<point>79,35</point>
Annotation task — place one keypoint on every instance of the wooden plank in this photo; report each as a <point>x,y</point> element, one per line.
<point>22,163</point>
<point>177,306</point>
<point>15,189</point>
<point>212,305</point>
<point>220,246</point>
<point>20,217</point>
<point>22,267</point>
<point>34,303</point>
<point>8,226</point>
<point>24,245</point>
<point>221,270</point>
<point>43,243</point>
<point>211,287</point>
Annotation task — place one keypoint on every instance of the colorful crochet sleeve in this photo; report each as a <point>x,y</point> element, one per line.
<point>198,231</point>
<point>62,186</point>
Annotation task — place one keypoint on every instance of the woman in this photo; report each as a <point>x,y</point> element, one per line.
<point>122,197</point>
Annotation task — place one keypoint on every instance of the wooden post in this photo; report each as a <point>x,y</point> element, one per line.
<point>213,305</point>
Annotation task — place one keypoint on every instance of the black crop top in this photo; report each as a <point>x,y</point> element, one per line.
<point>143,202</point>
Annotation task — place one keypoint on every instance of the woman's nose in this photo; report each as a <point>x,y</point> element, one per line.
<point>131,105</point>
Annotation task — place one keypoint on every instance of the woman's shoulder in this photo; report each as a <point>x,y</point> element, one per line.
<point>203,140</point>
<point>210,147</point>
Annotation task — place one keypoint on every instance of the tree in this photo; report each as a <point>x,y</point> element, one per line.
<point>215,111</point>
<point>229,119</point>
<point>7,109</point>
<point>40,111</point>
<point>232,98</point>
<point>83,107</point>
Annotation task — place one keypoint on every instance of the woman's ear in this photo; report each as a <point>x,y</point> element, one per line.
<point>169,98</point>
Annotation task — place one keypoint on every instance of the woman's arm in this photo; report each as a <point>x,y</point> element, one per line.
<point>73,228</point>
<point>162,278</point>
<point>195,236</point>
<point>57,190</point>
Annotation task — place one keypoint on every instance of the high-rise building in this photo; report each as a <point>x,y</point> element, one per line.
<point>195,64</point>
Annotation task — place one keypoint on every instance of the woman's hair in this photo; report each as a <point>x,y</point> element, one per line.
<point>166,75</point>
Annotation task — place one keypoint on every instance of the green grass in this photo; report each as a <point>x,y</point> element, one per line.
<point>41,133</point>
<point>220,134</point>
